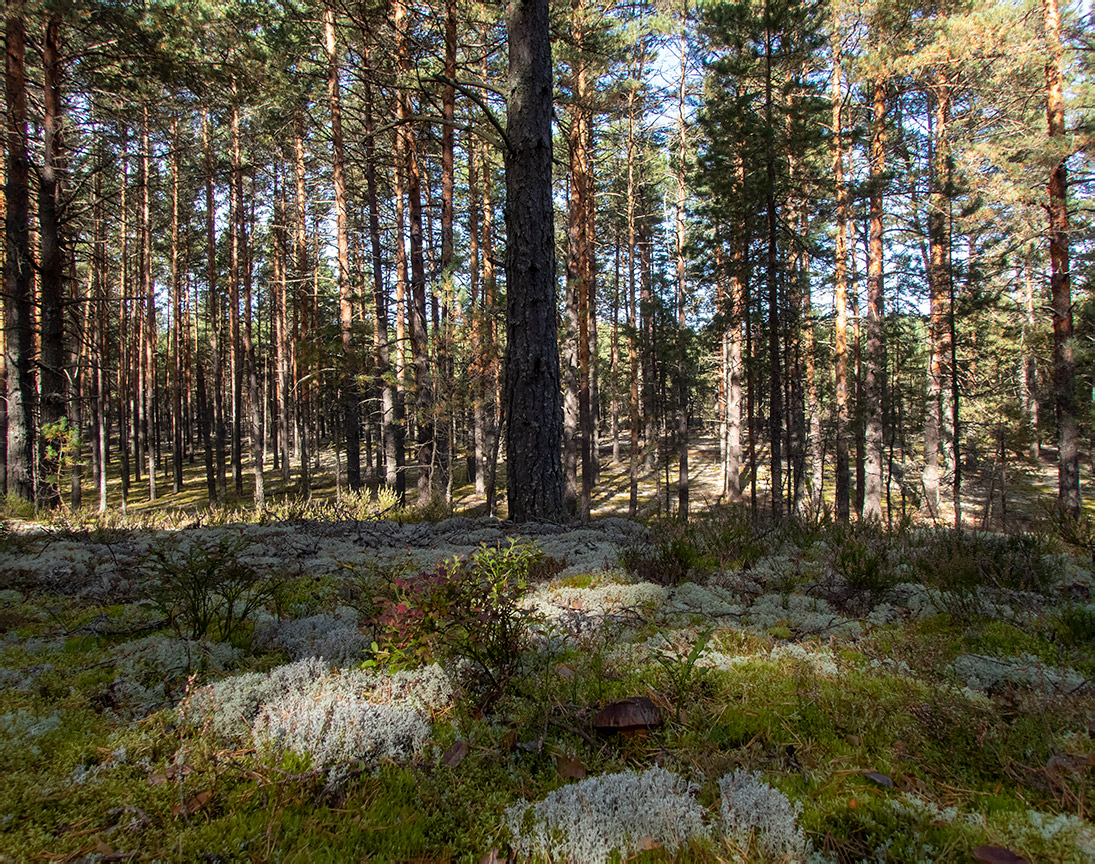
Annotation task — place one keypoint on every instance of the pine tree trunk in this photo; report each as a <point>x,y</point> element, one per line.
<point>682,280</point>
<point>446,392</point>
<point>213,310</point>
<point>840,300</point>
<point>1060,284</point>
<point>875,372</point>
<point>52,359</point>
<point>176,319</point>
<point>939,294</point>
<point>124,339</point>
<point>532,397</point>
<point>235,217</point>
<point>348,391</point>
<point>149,378</point>
<point>632,308</point>
<point>303,388</point>
<point>775,377</point>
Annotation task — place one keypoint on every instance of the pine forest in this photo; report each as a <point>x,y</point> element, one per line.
<point>548,431</point>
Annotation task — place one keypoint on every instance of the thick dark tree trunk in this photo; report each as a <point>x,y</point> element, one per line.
<point>53,357</point>
<point>532,395</point>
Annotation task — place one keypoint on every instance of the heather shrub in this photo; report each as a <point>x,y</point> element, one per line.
<point>203,588</point>
<point>620,813</point>
<point>860,555</point>
<point>963,562</point>
<point>1074,624</point>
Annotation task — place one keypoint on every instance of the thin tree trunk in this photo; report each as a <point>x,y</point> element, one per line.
<point>840,299</point>
<point>147,396</point>
<point>448,291</point>
<point>874,377</point>
<point>235,193</point>
<point>775,379</point>
<point>939,294</point>
<point>423,385</point>
<point>682,279</point>
<point>176,318</point>
<point>1060,284</point>
<point>347,381</point>
<point>213,310</point>
<point>303,389</point>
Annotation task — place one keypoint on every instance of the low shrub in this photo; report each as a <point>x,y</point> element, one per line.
<point>204,589</point>
<point>467,609</point>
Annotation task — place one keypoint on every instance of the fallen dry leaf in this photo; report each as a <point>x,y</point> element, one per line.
<point>997,855</point>
<point>455,754</point>
<point>192,805</point>
<point>880,779</point>
<point>570,767</point>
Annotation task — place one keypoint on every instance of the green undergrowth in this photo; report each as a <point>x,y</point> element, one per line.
<point>870,727</point>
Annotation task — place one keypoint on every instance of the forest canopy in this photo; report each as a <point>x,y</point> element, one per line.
<point>836,254</point>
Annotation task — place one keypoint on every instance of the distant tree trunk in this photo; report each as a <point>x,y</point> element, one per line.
<point>493,379</point>
<point>1031,404</point>
<point>682,278</point>
<point>874,379</point>
<point>303,390</point>
<point>423,384</point>
<point>1060,284</point>
<point>448,292</point>
<point>632,308</point>
<point>176,318</point>
<point>213,310</point>
<point>53,356</point>
<point>737,318</point>
<point>573,300</point>
<point>100,340</point>
<point>840,281</point>
<point>254,394</point>
<point>123,366</point>
<point>147,396</point>
<point>348,390</point>
<point>235,194</point>
<point>476,361</point>
<point>532,397</point>
<point>391,430</point>
<point>939,294</point>
<point>281,325</point>
<point>614,360</point>
<point>775,378</point>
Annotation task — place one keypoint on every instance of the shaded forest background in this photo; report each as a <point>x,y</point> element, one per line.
<point>847,246</point>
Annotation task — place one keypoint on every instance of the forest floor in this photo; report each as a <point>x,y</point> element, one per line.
<point>318,684</point>
<point>1013,497</point>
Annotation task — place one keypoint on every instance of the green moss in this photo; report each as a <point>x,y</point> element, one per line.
<point>1005,640</point>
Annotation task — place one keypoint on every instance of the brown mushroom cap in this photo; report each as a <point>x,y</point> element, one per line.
<point>628,715</point>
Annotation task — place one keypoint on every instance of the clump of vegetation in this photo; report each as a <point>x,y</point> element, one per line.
<point>963,563</point>
<point>204,588</point>
<point>464,609</point>
<point>861,556</point>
